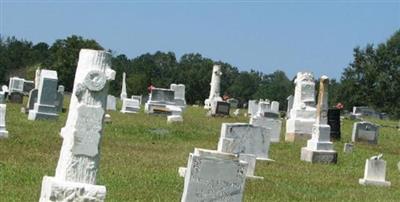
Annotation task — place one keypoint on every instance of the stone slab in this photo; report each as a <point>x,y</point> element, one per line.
<point>318,156</point>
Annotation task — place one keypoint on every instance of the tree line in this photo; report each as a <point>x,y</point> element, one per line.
<point>372,79</point>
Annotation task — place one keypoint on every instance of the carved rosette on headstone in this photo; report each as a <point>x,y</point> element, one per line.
<point>77,168</point>
<point>319,148</point>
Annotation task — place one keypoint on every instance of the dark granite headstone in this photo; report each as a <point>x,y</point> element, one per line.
<point>32,99</point>
<point>28,86</point>
<point>334,123</point>
<point>271,115</point>
<point>222,108</point>
<point>16,97</point>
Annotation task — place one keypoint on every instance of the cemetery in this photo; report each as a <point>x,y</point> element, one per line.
<point>222,101</point>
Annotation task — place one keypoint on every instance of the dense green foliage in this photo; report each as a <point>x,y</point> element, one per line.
<point>372,79</point>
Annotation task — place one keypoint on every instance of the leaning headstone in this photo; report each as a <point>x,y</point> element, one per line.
<point>130,106</point>
<point>16,84</point>
<point>334,123</point>
<point>3,130</point>
<point>111,103</point>
<point>214,176</point>
<point>365,132</point>
<point>45,107</point>
<point>32,99</point>
<point>60,98</point>
<point>244,138</point>
<point>348,148</point>
<point>215,87</point>
<point>77,168</point>
<point>375,172</point>
<point>302,114</point>
<point>319,148</point>
<point>123,90</point>
<point>16,97</point>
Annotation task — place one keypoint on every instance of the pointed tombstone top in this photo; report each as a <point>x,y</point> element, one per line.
<point>322,106</point>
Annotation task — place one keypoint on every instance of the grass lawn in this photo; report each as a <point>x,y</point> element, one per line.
<point>141,155</point>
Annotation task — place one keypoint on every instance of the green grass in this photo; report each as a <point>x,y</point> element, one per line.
<point>141,155</point>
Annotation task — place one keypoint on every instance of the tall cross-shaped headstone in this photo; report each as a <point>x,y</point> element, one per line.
<point>77,168</point>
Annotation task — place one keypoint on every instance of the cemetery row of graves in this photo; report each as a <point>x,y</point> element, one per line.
<point>313,153</point>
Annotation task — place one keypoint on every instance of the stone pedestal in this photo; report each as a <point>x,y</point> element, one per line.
<point>3,131</point>
<point>375,173</point>
<point>130,106</point>
<point>215,87</point>
<point>78,165</point>
<point>59,190</point>
<point>318,156</point>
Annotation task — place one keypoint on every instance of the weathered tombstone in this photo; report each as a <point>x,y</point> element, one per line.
<point>161,101</point>
<point>334,123</point>
<point>275,107</point>
<point>214,176</point>
<point>111,103</point>
<point>289,105</point>
<point>220,108</point>
<point>215,87</point>
<point>365,132</point>
<point>77,168</point>
<point>138,97</point>
<point>123,90</point>
<point>16,97</point>
<point>243,138</point>
<point>179,94</point>
<point>3,130</point>
<point>16,84</point>
<point>233,102</point>
<point>375,172</point>
<point>268,119</point>
<point>45,107</point>
<point>302,114</point>
<point>28,86</point>
<point>252,107</point>
<point>348,148</point>
<point>319,148</point>
<point>130,106</point>
<point>60,98</point>
<point>32,99</point>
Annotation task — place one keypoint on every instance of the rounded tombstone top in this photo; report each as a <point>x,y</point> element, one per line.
<point>304,76</point>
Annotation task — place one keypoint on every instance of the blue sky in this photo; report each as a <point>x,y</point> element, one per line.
<point>292,36</point>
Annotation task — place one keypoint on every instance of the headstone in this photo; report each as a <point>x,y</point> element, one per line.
<point>319,148</point>
<point>348,148</point>
<point>220,108</point>
<point>174,118</point>
<point>334,123</point>
<point>77,168</point>
<point>16,84</point>
<point>179,94</point>
<point>375,172</point>
<point>252,107</point>
<point>275,107</point>
<point>111,103</point>
<point>215,87</point>
<point>123,90</point>
<point>37,78</point>
<point>60,98</point>
<point>233,102</point>
<point>45,107</point>
<point>243,138</point>
<point>289,105</point>
<point>33,95</point>
<point>3,94</point>
<point>130,106</point>
<point>138,97</point>
<point>162,101</point>
<point>28,86</point>
<point>107,118</point>
<point>3,130</point>
<point>251,160</point>
<point>214,176</point>
<point>269,119</point>
<point>365,132</point>
<point>16,97</point>
<point>302,114</point>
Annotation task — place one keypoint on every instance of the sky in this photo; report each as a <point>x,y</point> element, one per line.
<point>292,36</point>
